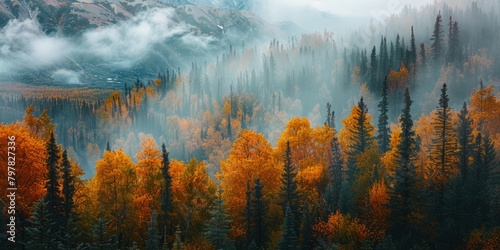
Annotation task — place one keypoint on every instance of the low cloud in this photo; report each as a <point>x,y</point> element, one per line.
<point>24,47</point>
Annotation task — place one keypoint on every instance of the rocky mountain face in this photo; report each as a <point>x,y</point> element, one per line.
<point>195,30</point>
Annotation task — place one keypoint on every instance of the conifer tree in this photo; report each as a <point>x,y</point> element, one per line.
<point>373,69</point>
<point>40,234</point>
<point>153,240</point>
<point>260,212</point>
<point>346,199</point>
<point>102,239</point>
<point>217,227</point>
<point>465,141</point>
<point>423,58</point>
<point>404,195</point>
<point>443,150</point>
<point>166,195</point>
<point>289,193</point>
<point>53,199</point>
<point>437,38</point>
<point>335,173</point>
<point>413,49</point>
<point>68,185</point>
<point>384,131</point>
<point>288,236</point>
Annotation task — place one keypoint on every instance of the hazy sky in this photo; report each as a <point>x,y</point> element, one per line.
<point>361,7</point>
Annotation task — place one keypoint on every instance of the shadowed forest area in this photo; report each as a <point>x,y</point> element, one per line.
<point>309,142</point>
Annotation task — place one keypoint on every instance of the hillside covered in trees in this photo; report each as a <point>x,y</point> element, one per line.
<point>387,141</point>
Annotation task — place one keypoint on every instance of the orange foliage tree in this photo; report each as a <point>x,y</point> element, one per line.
<point>30,170</point>
<point>341,231</point>
<point>251,157</point>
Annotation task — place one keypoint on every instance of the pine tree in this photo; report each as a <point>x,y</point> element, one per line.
<point>335,176</point>
<point>346,199</point>
<point>71,234</point>
<point>413,49</point>
<point>422,55</point>
<point>102,239</point>
<point>40,234</point>
<point>166,195</point>
<point>249,214</point>
<point>437,38</point>
<point>288,236</point>
<point>260,212</point>
<point>108,148</point>
<point>68,185</point>
<point>53,197</point>
<point>289,195</point>
<point>153,240</point>
<point>404,195</point>
<point>443,150</point>
<point>465,141</point>
<point>384,132</point>
<point>362,136</point>
<point>178,242</point>
<point>217,227</point>
<point>373,69</point>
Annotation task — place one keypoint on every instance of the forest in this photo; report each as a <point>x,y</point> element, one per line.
<point>304,143</point>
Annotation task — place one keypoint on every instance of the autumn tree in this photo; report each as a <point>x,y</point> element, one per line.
<point>31,168</point>
<point>115,183</point>
<point>251,157</point>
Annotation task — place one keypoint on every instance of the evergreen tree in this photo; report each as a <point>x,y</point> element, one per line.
<point>362,136</point>
<point>68,185</point>
<point>108,148</point>
<point>422,55</point>
<point>443,150</point>
<point>53,197</point>
<point>373,69</point>
<point>217,227</point>
<point>153,240</point>
<point>71,234</point>
<point>260,212</point>
<point>346,199</point>
<point>166,193</point>
<point>465,141</point>
<point>413,49</point>
<point>404,195</point>
<point>288,236</point>
<point>335,176</point>
<point>178,242</point>
<point>40,234</point>
<point>384,132</point>
<point>102,239</point>
<point>249,215</point>
<point>289,193</point>
<point>437,38</point>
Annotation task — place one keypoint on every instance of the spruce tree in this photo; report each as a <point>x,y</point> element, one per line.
<point>153,239</point>
<point>373,69</point>
<point>289,195</point>
<point>288,236</point>
<point>443,149</point>
<point>361,136</point>
<point>53,197</point>
<point>404,195</point>
<point>260,213</point>
<point>465,141</point>
<point>335,176</point>
<point>346,198</point>
<point>40,233</point>
<point>166,194</point>
<point>68,185</point>
<point>423,58</point>
<point>413,49</point>
<point>437,39</point>
<point>102,239</point>
<point>217,227</point>
<point>384,131</point>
